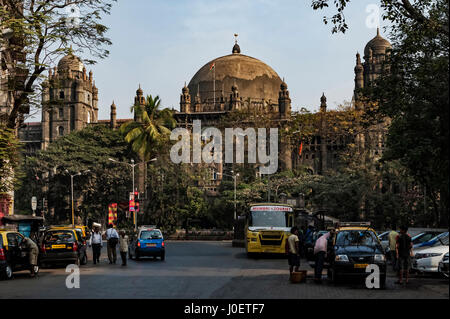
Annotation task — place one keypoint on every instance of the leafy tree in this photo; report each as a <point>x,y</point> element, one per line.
<point>414,94</point>
<point>151,128</point>
<point>9,159</point>
<point>105,183</point>
<point>39,33</point>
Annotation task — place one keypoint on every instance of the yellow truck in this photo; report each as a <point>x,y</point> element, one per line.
<point>267,228</point>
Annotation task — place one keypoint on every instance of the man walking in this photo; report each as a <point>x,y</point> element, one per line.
<point>392,237</point>
<point>33,253</point>
<point>123,247</point>
<point>112,237</point>
<point>293,250</point>
<point>96,243</point>
<point>404,252</point>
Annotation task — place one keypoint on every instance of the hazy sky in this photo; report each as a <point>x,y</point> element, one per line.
<point>161,44</point>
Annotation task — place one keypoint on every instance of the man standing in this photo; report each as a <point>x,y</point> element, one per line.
<point>112,237</point>
<point>320,253</point>
<point>33,253</point>
<point>96,243</point>
<point>392,246</point>
<point>404,252</point>
<point>293,250</point>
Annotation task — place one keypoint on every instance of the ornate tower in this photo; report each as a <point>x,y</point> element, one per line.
<point>323,164</point>
<point>375,54</point>
<point>139,100</point>
<point>185,101</point>
<point>70,100</point>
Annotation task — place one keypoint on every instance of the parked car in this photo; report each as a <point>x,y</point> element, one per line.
<point>427,259</point>
<point>12,256</point>
<point>63,246</point>
<point>424,237</point>
<point>356,247</point>
<point>149,243</point>
<point>432,241</point>
<point>443,266</point>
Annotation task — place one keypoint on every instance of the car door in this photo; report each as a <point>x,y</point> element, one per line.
<point>14,250</point>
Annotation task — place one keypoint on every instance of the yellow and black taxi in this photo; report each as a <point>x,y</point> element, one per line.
<point>12,257</point>
<point>355,247</point>
<point>63,245</point>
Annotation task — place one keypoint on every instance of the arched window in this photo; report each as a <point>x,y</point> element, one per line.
<point>61,95</point>
<point>61,131</point>
<point>61,113</point>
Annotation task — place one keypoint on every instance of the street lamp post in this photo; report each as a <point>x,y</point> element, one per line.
<point>133,165</point>
<point>234,176</point>
<point>71,191</point>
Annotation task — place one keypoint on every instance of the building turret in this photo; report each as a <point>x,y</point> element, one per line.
<point>185,101</point>
<point>139,100</point>
<point>113,121</point>
<point>284,101</point>
<point>323,103</point>
<point>235,99</point>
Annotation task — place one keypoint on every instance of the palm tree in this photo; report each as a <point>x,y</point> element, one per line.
<point>150,129</point>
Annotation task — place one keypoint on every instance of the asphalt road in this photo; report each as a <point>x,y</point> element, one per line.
<point>195,270</point>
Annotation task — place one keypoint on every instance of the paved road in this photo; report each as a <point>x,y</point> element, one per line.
<point>202,270</point>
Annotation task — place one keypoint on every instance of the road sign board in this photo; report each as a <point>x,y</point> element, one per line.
<point>33,203</point>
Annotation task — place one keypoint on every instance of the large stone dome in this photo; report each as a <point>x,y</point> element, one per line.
<point>254,78</point>
<point>70,62</point>
<point>377,44</point>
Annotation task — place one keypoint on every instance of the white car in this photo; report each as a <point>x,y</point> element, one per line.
<point>428,258</point>
<point>443,266</point>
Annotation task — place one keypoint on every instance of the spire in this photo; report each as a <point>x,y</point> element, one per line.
<point>378,31</point>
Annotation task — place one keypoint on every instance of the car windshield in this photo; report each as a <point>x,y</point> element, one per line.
<point>441,241</point>
<point>422,238</point>
<point>151,234</point>
<point>269,219</point>
<point>59,236</point>
<point>356,238</point>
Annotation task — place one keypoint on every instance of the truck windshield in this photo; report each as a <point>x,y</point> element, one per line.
<point>269,219</point>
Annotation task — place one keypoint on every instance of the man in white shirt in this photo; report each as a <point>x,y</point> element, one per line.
<point>112,237</point>
<point>96,243</point>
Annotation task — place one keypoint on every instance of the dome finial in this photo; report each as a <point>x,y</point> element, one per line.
<point>236,48</point>
<point>378,31</point>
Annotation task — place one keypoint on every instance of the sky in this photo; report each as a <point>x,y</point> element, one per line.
<point>161,44</point>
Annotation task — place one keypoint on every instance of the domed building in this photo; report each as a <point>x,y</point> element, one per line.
<point>375,54</point>
<point>232,82</point>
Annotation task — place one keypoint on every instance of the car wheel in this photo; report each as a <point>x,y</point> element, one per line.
<point>136,256</point>
<point>163,256</point>
<point>8,273</point>
<point>334,277</point>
